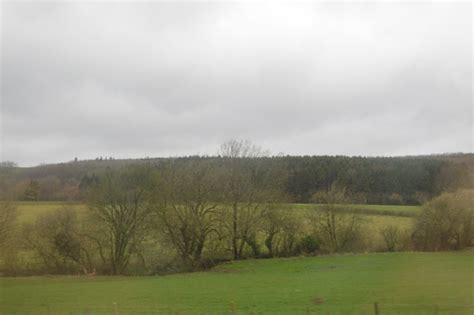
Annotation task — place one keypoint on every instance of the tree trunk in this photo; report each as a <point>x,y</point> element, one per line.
<point>234,232</point>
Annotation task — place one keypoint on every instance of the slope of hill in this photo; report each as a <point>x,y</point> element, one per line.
<point>375,180</point>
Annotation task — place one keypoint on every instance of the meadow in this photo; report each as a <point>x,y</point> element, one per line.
<point>28,211</point>
<point>389,210</point>
<point>401,283</point>
<point>372,221</point>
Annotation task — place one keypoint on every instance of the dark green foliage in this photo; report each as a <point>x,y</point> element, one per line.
<point>32,191</point>
<point>370,180</point>
<point>308,245</point>
<point>88,182</point>
<point>373,180</point>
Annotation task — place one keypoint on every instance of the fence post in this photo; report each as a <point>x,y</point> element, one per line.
<point>376,308</point>
<point>233,308</point>
<point>114,308</point>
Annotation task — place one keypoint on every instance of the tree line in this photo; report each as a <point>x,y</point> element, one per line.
<point>374,180</point>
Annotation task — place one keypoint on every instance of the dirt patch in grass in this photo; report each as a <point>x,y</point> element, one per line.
<point>226,270</point>
<point>317,300</point>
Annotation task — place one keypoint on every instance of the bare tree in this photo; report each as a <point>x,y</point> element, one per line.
<point>120,203</point>
<point>58,240</point>
<point>281,228</point>
<point>186,211</point>
<point>335,222</point>
<point>249,188</point>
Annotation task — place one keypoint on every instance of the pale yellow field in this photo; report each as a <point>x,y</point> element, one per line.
<point>29,211</point>
<point>371,225</point>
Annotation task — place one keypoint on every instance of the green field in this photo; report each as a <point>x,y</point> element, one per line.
<point>401,283</point>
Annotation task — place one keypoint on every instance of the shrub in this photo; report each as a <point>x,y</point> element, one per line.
<point>391,237</point>
<point>58,241</point>
<point>447,222</point>
<point>308,245</point>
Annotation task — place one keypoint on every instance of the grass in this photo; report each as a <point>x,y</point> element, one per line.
<point>372,222</point>
<point>402,283</point>
<point>28,211</point>
<point>405,283</point>
<point>390,210</point>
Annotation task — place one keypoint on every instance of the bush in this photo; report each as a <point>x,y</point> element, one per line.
<point>59,243</point>
<point>308,245</point>
<point>391,237</point>
<point>446,223</point>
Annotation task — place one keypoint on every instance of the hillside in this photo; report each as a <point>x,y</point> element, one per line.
<point>374,180</point>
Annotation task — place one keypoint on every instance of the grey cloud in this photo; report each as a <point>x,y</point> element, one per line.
<point>158,79</point>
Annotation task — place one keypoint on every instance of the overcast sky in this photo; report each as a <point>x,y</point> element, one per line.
<point>165,79</point>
